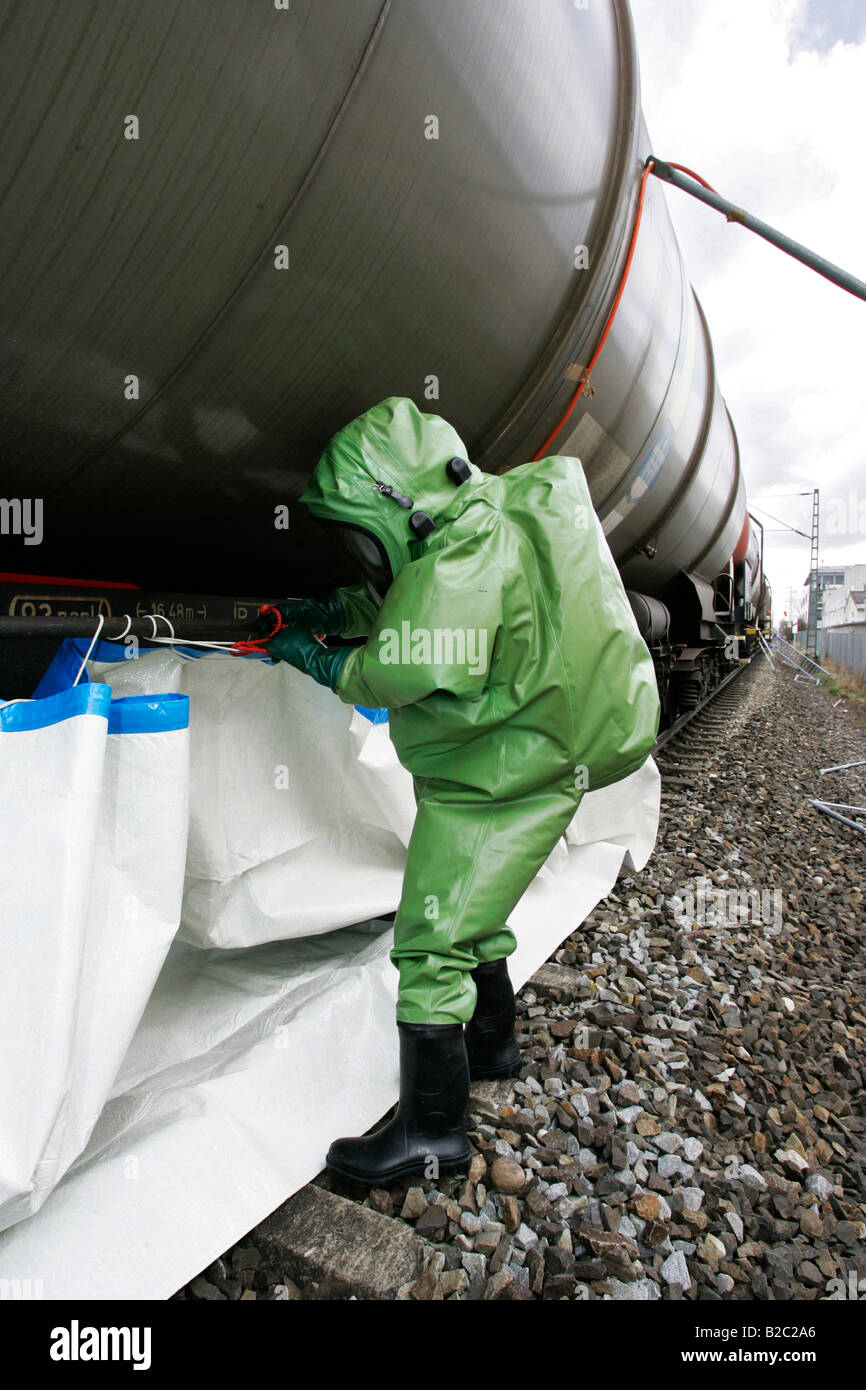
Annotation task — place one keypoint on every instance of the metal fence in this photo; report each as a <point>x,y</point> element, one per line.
<point>845,648</point>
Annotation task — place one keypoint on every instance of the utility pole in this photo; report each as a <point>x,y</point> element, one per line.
<point>812,621</point>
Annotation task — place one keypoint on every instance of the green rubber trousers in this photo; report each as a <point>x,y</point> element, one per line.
<point>508,658</point>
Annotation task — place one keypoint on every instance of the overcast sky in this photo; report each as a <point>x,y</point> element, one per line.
<point>767,100</point>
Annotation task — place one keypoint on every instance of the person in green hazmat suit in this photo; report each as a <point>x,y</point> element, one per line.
<point>500,639</point>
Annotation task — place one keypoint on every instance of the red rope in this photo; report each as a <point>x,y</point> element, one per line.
<point>692,175</point>
<point>584,381</point>
<point>246,648</point>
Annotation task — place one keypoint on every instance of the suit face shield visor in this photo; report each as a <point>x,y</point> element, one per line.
<point>366,554</point>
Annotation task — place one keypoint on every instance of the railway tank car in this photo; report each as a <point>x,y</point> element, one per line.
<point>231,227</point>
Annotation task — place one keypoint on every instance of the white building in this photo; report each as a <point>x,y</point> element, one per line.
<point>855,606</point>
<point>841,591</point>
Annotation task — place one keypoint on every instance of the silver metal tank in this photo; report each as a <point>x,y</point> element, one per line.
<point>409,258</point>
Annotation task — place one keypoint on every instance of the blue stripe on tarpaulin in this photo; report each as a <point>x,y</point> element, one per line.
<point>69,655</point>
<point>375,716</point>
<point>24,715</point>
<point>131,714</point>
<point>148,714</point>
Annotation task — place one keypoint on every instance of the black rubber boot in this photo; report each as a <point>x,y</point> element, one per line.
<point>490,1043</point>
<point>429,1123</point>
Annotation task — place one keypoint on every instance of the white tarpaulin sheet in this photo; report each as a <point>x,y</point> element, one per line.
<point>178,1084</point>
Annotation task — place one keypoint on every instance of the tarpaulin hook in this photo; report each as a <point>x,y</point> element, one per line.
<point>153,617</point>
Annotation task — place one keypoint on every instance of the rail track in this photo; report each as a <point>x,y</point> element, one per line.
<point>679,724</point>
<point>688,752</point>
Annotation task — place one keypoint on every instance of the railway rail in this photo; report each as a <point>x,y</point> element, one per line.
<point>679,724</point>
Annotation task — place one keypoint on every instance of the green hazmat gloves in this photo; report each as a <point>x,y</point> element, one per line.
<point>323,614</point>
<point>301,650</point>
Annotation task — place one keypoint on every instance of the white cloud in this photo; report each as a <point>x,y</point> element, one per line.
<point>730,90</point>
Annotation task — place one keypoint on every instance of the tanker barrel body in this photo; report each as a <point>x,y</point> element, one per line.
<point>368,200</point>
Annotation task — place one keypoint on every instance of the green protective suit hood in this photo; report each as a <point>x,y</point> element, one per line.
<point>508,657</point>
<point>395,445</point>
